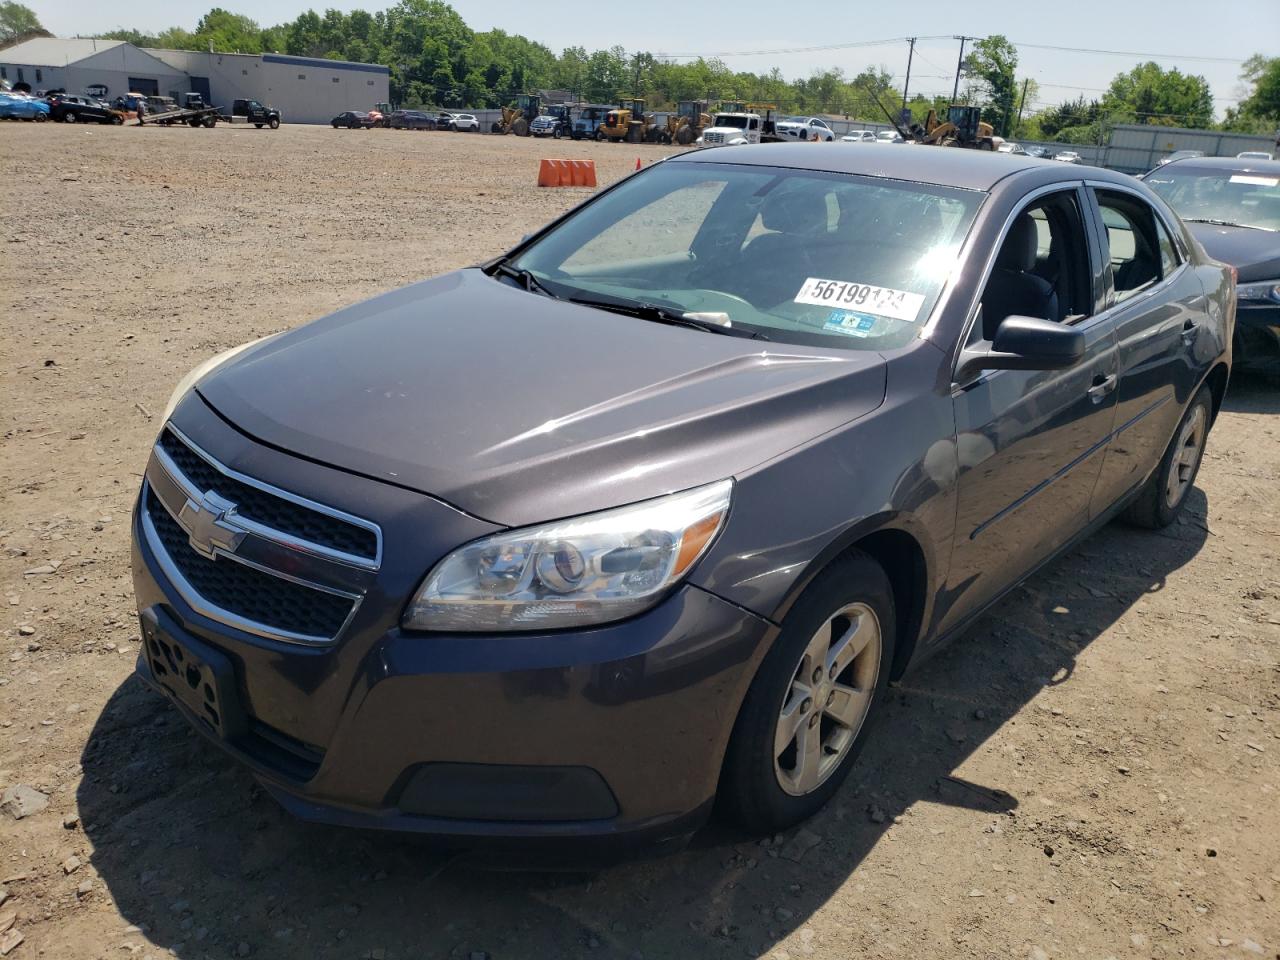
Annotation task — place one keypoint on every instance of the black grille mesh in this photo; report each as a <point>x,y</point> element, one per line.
<point>249,593</point>
<point>268,509</point>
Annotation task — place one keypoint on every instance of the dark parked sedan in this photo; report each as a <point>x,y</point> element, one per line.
<point>652,508</point>
<point>352,120</point>
<point>1232,206</point>
<point>72,109</point>
<point>411,120</point>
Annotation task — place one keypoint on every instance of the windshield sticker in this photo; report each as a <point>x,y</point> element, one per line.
<point>1255,181</point>
<point>852,324</point>
<point>881,301</point>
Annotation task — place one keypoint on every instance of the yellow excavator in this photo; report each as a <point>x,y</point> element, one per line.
<point>687,123</point>
<point>517,117</point>
<point>629,122</point>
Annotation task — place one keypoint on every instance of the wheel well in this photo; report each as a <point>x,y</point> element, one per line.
<point>902,560</point>
<point>1216,381</point>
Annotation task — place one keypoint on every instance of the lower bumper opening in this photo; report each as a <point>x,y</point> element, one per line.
<point>501,792</point>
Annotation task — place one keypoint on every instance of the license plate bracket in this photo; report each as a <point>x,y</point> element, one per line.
<point>195,675</point>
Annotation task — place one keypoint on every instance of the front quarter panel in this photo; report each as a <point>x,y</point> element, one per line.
<point>894,468</point>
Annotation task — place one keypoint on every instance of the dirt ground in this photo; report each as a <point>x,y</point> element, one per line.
<point>1093,772</point>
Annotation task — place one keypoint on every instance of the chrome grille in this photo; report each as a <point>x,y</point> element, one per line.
<point>250,555</point>
<point>713,138</point>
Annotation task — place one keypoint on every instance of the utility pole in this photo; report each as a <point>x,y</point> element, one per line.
<point>907,83</point>
<point>955,90</point>
<point>1021,103</point>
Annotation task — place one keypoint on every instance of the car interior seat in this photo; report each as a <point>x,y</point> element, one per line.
<point>1013,289</point>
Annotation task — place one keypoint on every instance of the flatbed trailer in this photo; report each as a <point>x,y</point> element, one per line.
<point>191,116</point>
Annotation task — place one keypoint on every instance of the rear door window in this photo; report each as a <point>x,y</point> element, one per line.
<point>1134,243</point>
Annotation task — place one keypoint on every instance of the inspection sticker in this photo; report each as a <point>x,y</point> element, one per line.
<point>881,301</point>
<point>850,323</point>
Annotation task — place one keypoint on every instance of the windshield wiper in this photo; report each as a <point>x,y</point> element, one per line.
<point>1221,223</point>
<point>520,276</point>
<point>660,314</point>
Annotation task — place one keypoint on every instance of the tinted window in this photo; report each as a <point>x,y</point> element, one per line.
<point>1133,243</point>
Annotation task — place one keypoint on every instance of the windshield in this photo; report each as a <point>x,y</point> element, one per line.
<point>794,256</point>
<point>729,121</point>
<point>1244,199</point>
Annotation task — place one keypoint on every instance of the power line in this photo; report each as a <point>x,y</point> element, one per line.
<point>1127,53</point>
<point>780,50</point>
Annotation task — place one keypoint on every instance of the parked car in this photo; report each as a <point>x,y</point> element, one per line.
<point>464,122</point>
<point>1254,155</point>
<point>889,136</point>
<point>1179,155</point>
<point>17,107</point>
<point>803,128</point>
<point>1040,153</point>
<point>1067,156</point>
<point>1232,206</point>
<point>352,120</point>
<point>1016,149</point>
<point>68,108</point>
<point>411,120</point>
<point>793,462</point>
<point>859,136</point>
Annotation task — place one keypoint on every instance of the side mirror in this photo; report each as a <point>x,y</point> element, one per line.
<point>1025,343</point>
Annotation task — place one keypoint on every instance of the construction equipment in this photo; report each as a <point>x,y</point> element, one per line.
<point>517,117</point>
<point>383,111</point>
<point>964,127</point>
<point>687,123</point>
<point>629,122</point>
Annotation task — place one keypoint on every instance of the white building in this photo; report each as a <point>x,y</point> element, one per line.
<point>111,67</point>
<point>303,89</point>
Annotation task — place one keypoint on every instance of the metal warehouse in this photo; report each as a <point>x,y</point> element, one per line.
<point>303,89</point>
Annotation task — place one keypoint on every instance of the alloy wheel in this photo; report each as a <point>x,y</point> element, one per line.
<point>828,699</point>
<point>1186,456</point>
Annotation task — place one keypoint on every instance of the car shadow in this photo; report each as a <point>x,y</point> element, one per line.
<point>205,864</point>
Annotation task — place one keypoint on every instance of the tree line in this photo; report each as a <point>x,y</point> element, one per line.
<point>436,60</point>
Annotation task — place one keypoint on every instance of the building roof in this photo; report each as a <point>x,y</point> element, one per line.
<point>55,51</point>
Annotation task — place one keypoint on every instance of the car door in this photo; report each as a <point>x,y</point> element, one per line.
<point>1157,304</point>
<point>1030,443</point>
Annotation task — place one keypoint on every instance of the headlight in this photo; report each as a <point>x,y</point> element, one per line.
<point>586,570</point>
<point>1262,291</point>
<point>196,375</point>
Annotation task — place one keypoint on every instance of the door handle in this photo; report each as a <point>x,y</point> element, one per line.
<point>1101,387</point>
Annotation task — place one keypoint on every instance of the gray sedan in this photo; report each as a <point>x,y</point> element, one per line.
<point>650,510</point>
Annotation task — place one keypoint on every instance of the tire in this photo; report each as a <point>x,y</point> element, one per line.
<point>68,117</point>
<point>210,122</point>
<point>1165,493</point>
<point>335,126</point>
<point>258,125</point>
<point>557,133</point>
<point>116,120</point>
<point>764,789</point>
<point>684,136</point>
<point>600,137</point>
<point>520,127</point>
<point>40,117</point>
<point>274,123</point>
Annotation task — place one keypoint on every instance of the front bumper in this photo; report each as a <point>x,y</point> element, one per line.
<point>599,735</point>
<point>1257,335</point>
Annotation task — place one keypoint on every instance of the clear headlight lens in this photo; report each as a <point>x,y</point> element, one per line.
<point>586,570</point>
<point>1265,290</point>
<point>195,375</point>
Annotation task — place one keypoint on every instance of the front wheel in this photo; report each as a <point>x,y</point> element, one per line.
<point>274,123</point>
<point>557,133</point>
<point>1165,492</point>
<point>68,117</point>
<point>258,125</point>
<point>808,712</point>
<point>600,137</point>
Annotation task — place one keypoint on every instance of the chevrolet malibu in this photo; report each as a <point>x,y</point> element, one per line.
<point>650,510</point>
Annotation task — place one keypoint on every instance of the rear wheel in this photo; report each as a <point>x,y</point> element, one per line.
<point>1165,493</point>
<point>557,133</point>
<point>40,116</point>
<point>520,127</point>
<point>807,713</point>
<point>210,122</point>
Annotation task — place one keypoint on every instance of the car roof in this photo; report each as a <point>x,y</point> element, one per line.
<point>944,166</point>
<point>1232,164</point>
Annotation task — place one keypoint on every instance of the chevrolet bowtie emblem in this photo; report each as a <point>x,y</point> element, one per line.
<point>208,527</point>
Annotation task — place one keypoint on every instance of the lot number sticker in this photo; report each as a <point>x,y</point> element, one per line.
<point>882,301</point>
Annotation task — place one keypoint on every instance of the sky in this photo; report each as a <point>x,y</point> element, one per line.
<point>1196,37</point>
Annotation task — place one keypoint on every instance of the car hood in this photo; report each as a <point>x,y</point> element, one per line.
<point>518,408</point>
<point>1254,253</point>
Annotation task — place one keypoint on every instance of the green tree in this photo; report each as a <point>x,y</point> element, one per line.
<point>1259,110</point>
<point>1150,94</point>
<point>994,63</point>
<point>17,21</point>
